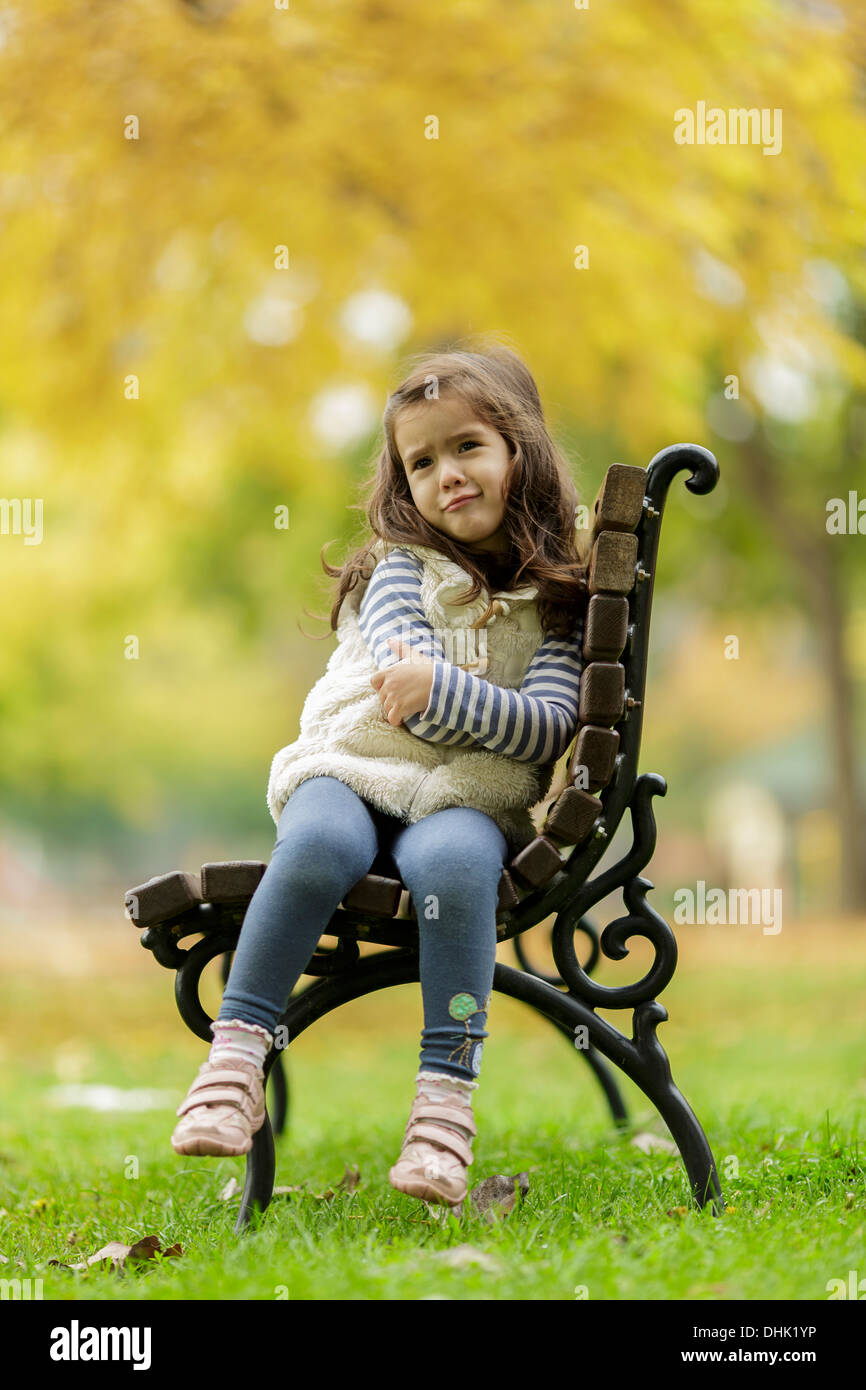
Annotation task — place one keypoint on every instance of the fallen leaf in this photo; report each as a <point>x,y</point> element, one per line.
<point>350,1179</point>
<point>497,1196</point>
<point>653,1143</point>
<point>114,1255</point>
<point>231,1187</point>
<point>678,1211</point>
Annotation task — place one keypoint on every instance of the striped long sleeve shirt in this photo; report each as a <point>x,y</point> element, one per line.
<point>535,724</point>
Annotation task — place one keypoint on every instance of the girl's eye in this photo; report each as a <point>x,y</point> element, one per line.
<point>472,442</point>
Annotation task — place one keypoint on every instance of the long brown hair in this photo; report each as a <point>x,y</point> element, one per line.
<point>540,496</point>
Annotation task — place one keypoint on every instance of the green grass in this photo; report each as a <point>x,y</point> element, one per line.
<point>765,1043</point>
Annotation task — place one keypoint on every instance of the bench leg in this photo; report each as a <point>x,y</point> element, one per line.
<point>280,1096</point>
<point>259,1184</point>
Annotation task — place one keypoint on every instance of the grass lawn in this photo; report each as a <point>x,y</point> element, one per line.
<point>765,1040</point>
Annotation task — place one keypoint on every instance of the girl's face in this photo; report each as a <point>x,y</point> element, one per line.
<point>448,453</point>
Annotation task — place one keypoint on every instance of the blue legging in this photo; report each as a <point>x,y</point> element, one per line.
<point>327,839</point>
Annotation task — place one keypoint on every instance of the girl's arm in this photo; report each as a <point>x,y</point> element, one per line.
<point>535,724</point>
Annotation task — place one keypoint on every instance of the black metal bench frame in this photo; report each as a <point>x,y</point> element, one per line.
<point>567,1000</point>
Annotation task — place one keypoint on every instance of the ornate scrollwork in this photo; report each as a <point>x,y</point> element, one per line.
<point>589,930</point>
<point>665,465</point>
<point>641,920</point>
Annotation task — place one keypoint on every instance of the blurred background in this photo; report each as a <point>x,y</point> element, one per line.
<point>224,228</point>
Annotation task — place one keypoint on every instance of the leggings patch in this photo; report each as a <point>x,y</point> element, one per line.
<point>462,1007</point>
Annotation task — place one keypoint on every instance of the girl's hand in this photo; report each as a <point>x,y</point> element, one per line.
<point>404,689</point>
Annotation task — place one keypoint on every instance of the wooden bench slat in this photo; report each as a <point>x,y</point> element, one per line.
<point>508,894</point>
<point>163,897</point>
<point>573,815</point>
<point>618,504</point>
<point>537,862</point>
<point>602,693</point>
<point>606,627</point>
<point>373,893</point>
<point>612,563</point>
<point>233,881</point>
<point>596,749</point>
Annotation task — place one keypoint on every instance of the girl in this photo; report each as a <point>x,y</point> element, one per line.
<point>408,756</point>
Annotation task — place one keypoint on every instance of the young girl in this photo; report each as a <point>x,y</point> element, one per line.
<point>408,756</point>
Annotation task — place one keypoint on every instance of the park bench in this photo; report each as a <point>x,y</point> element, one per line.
<point>551,876</point>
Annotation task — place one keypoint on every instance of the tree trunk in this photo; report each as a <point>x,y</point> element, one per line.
<point>813,562</point>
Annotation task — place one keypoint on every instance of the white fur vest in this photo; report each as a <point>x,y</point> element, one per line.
<point>345,731</point>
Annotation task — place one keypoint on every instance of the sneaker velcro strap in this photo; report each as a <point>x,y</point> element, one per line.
<point>431,1110</point>
<point>447,1138</point>
<point>222,1095</point>
<point>222,1076</point>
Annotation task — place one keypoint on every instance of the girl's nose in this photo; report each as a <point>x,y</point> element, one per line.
<point>451,473</point>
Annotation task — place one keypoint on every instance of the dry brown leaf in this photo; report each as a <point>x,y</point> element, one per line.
<point>115,1254</point>
<point>497,1196</point>
<point>350,1179</point>
<point>678,1211</point>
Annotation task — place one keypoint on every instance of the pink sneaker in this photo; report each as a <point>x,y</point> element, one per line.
<point>434,1159</point>
<point>223,1109</point>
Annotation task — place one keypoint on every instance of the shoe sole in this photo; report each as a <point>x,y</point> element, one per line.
<point>201,1146</point>
<point>206,1144</point>
<point>423,1188</point>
